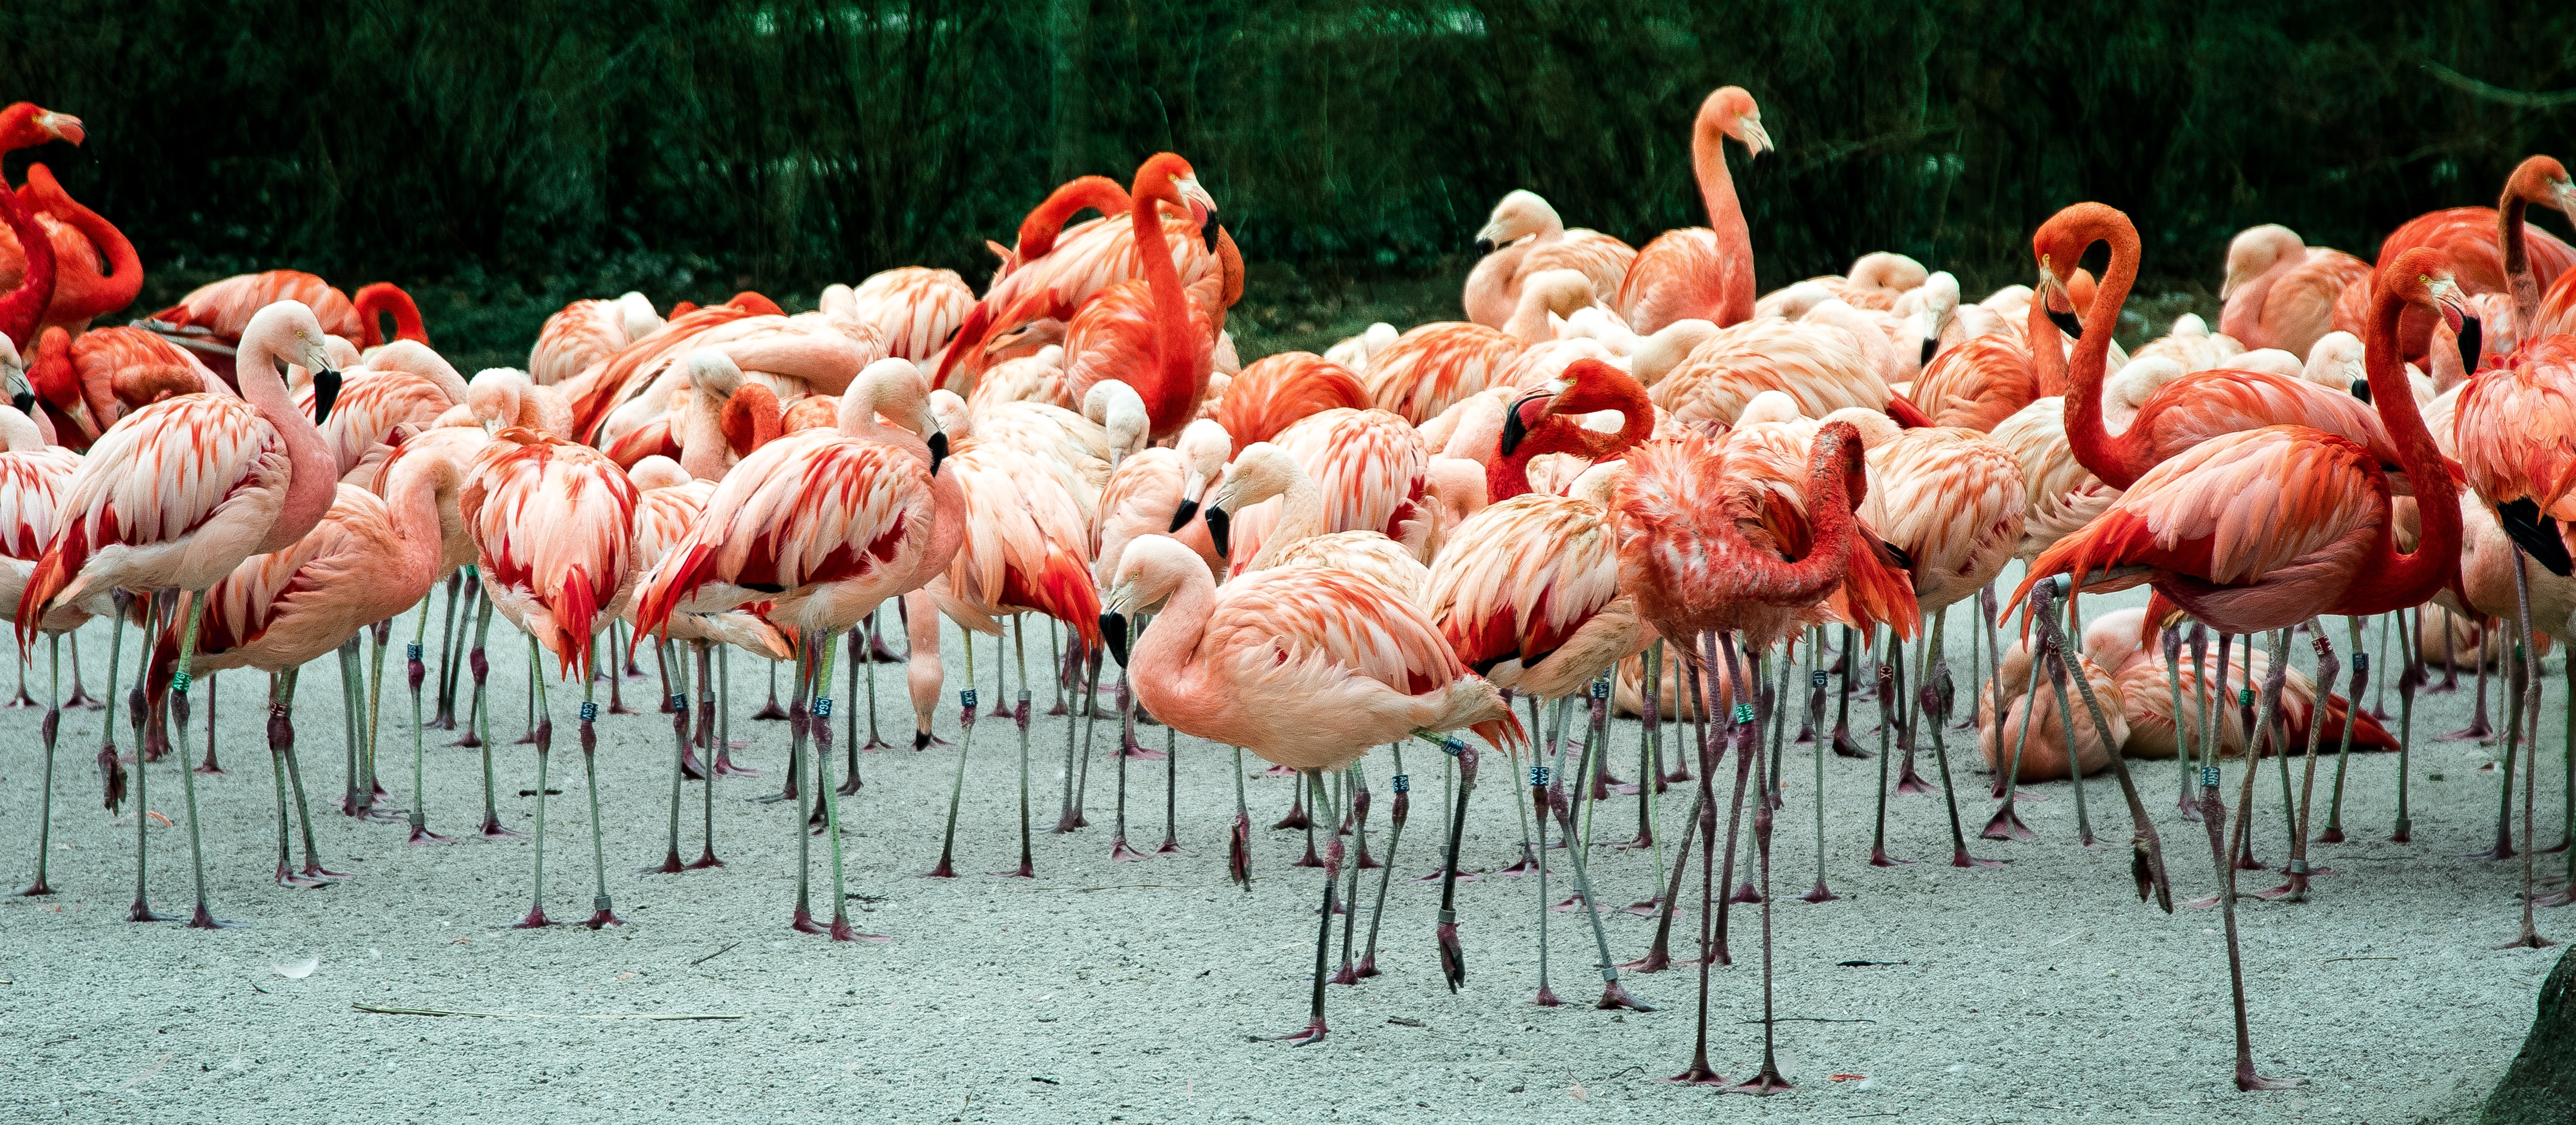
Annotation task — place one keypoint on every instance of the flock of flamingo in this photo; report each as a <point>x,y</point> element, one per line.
<point>1627,482</point>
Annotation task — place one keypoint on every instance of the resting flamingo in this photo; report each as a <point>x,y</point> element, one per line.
<point>1702,273</point>
<point>584,333</point>
<point>1370,470</point>
<point>86,382</point>
<point>175,496</point>
<point>1307,668</point>
<point>1528,237</point>
<point>1278,390</point>
<point>2280,292</point>
<point>2263,529</point>
<point>554,533</point>
<point>1820,366</point>
<point>915,308</point>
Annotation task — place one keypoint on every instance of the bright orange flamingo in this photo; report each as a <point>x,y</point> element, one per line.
<point>554,533</point>
<point>1703,273</point>
<point>1528,238</point>
<point>382,299</point>
<point>2264,529</point>
<point>1278,390</point>
<point>827,524</point>
<point>175,496</point>
<point>33,474</point>
<point>2487,246</point>
<point>1708,554</point>
<point>86,382</point>
<point>23,306</point>
<point>26,125</point>
<point>1149,333</point>
<point>2280,292</point>
<point>97,270</point>
<point>2191,409</point>
<point>1307,668</point>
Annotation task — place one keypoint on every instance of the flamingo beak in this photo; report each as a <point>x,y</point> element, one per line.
<point>1113,631</point>
<point>938,450</point>
<point>1220,530</point>
<point>1182,515</point>
<point>1519,418</point>
<point>1757,140</point>
<point>62,125</point>
<point>326,390</point>
<point>1202,205</point>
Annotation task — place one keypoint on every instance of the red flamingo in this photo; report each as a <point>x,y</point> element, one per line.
<point>1148,332</point>
<point>1703,273</point>
<point>96,269</point>
<point>23,306</point>
<point>2486,245</point>
<point>2266,528</point>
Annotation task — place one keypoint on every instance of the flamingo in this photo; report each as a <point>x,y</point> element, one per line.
<point>554,533</point>
<point>1821,367</point>
<point>2263,529</point>
<point>26,125</point>
<point>212,318</point>
<point>826,524</point>
<point>1307,668</point>
<point>584,333</point>
<point>2279,291</point>
<point>1705,555</point>
<point>1422,373</point>
<point>1158,492</point>
<point>1148,332</point>
<point>403,383</point>
<point>1702,273</point>
<point>2060,495</point>
<point>33,474</point>
<point>97,270</point>
<point>176,495</point>
<point>1278,390</point>
<point>87,382</point>
<point>2488,246</point>
<point>1528,237</point>
<point>1301,534</point>
<point>2117,643</point>
<point>1370,469</point>
<point>22,307</point>
<point>1984,380</point>
<point>1557,431</point>
<point>915,308</point>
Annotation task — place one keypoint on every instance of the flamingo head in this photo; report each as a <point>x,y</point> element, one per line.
<point>1167,178</point>
<point>2254,250</point>
<point>1584,387</point>
<point>1150,569</point>
<point>2422,277</point>
<point>1730,112</point>
<point>13,376</point>
<point>26,125</point>
<point>1520,215</point>
<point>713,372</point>
<point>1204,446</point>
<point>2059,246</point>
<point>2543,180</point>
<point>1260,472</point>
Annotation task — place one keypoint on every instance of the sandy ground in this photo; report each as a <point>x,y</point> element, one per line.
<point>1124,991</point>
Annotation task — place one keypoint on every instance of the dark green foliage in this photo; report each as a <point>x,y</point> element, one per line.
<point>518,154</point>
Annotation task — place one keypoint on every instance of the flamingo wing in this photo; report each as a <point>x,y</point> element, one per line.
<point>1279,390</point>
<point>1518,578</point>
<point>809,508</point>
<point>1025,543</point>
<point>553,522</point>
<point>1682,275</point>
<point>1429,369</point>
<point>31,485</point>
<point>2516,428</point>
<point>1312,623</point>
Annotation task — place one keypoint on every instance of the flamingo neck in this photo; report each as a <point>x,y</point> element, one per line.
<point>116,288</point>
<point>2119,462</point>
<point>383,297</point>
<point>702,440</point>
<point>1166,386</point>
<point>1834,465</point>
<point>21,308</point>
<point>947,520</point>
<point>313,477</point>
<point>2390,579</point>
<point>2047,351</point>
<point>1160,662</point>
<point>1301,517</point>
<point>1726,218</point>
<point>2519,281</point>
<point>411,498</point>
<point>1038,232</point>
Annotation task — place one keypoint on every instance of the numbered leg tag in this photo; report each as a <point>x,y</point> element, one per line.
<point>823,706</point>
<point>2360,663</point>
<point>1817,678</point>
<point>179,682</point>
<point>1601,688</point>
<point>589,711</point>
<point>1538,776</point>
<point>1743,712</point>
<point>680,701</point>
<point>2245,697</point>
<point>966,698</point>
<point>412,650</point>
<point>2209,777</point>
<point>1404,783</point>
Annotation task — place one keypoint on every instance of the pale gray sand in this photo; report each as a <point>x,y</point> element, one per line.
<point>1103,992</point>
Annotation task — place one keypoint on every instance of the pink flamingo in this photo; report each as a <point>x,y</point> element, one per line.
<point>212,318</point>
<point>1307,668</point>
<point>1149,333</point>
<point>2280,292</point>
<point>87,382</point>
<point>174,497</point>
<point>2263,529</point>
<point>585,333</point>
<point>1528,238</point>
<point>98,271</point>
<point>826,524</point>
<point>2487,247</point>
<point>916,308</point>
<point>1703,273</point>
<point>554,535</point>
<point>1276,391</point>
<point>33,474</point>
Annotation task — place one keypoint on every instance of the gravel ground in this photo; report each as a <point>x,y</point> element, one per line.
<point>1108,991</point>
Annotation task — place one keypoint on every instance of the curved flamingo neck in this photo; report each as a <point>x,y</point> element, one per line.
<point>1168,387</point>
<point>1835,469</point>
<point>1163,653</point>
<point>2528,183</point>
<point>2047,351</point>
<point>1301,517</point>
<point>23,307</point>
<point>411,500</point>
<point>2118,461</point>
<point>313,479</point>
<point>947,521</point>
<point>1507,475</point>
<point>124,279</point>
<point>2392,580</point>
<point>1726,218</point>
<point>1046,222</point>
<point>385,297</point>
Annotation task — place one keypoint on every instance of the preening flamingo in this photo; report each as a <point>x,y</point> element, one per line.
<point>97,270</point>
<point>554,531</point>
<point>1533,425</point>
<point>33,474</point>
<point>1307,668</point>
<point>826,524</point>
<point>86,382</point>
<point>584,333</point>
<point>1527,238</point>
<point>1278,390</point>
<point>2279,291</point>
<point>1369,468</point>
<point>1422,373</point>
<point>1157,492</point>
<point>916,309</point>
<point>176,495</point>
<point>1702,273</point>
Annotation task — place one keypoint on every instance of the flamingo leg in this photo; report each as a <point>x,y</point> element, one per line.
<point>1453,956</point>
<point>2410,676</point>
<point>1909,781</point>
<point>707,731</point>
<point>1386,872</point>
<point>1315,1030</point>
<point>799,725</point>
<point>1887,690</point>
<point>1699,1073</point>
<point>545,735</point>
<point>840,930</point>
<point>2343,752</point>
<point>279,730</point>
<point>80,697</point>
<point>1659,953</point>
<point>2566,895</point>
<point>1538,779</point>
<point>1613,994</point>
<point>2147,857</point>
<point>2183,748</point>
<point>1119,852</point>
<point>313,868</point>
<point>1935,703</point>
<point>2215,814</point>
<point>209,766</point>
<point>677,703</point>
<point>1745,732</point>
<point>2296,888</point>
<point>1238,847</point>
<point>1349,973</point>
<point>2006,824</point>
<point>1768,1081</point>
<point>851,785</point>
<point>349,703</point>
<point>947,868</point>
<point>616,682</point>
<point>1090,715</point>
<point>1066,818</point>
<point>415,671</point>
<point>478,610</point>
<point>1171,844</point>
<point>601,912</point>
<point>770,710</point>
<point>876,741</point>
<point>478,719</point>
<point>1844,744</point>
<point>1816,680</point>
<point>373,787</point>
<point>142,910</point>
<point>51,728</point>
<point>2526,658</point>
<point>448,654</point>
<point>1527,860</point>
<point>2503,848</point>
<point>201,918</point>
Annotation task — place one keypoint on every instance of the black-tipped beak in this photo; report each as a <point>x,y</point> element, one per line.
<point>2361,389</point>
<point>1930,345</point>
<point>938,451</point>
<point>2470,332</point>
<point>1515,429</point>
<point>1113,631</point>
<point>2066,322</point>
<point>1181,516</point>
<point>326,390</point>
<point>1219,525</point>
<point>25,401</point>
<point>1484,246</point>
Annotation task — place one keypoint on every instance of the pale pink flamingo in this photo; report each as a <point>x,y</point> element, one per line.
<point>1708,553</point>
<point>584,333</point>
<point>554,531</point>
<point>177,494</point>
<point>916,309</point>
<point>826,524</point>
<point>1301,533</point>
<point>212,318</point>
<point>33,474</point>
<point>2280,292</point>
<point>2263,529</point>
<point>1702,273</point>
<point>2119,643</point>
<point>1422,373</point>
<point>1157,492</point>
<point>1821,367</point>
<point>1369,468</point>
<point>1307,668</point>
<point>1278,390</point>
<point>1527,237</point>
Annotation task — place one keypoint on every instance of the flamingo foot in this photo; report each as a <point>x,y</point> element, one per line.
<point>1348,974</point>
<point>208,768</point>
<point>1656,960</point>
<point>1296,819</point>
<point>1698,1075</point>
<point>725,766</point>
<point>1878,857</point>
<point>2295,890</point>
<point>142,911</point>
<point>469,739</point>
<point>2190,809</point>
<point>849,788</point>
<point>1615,996</point>
<point>1546,999</point>
<point>842,931</point>
<point>945,870</point>
<point>528,739</point>
<point>1453,957</point>
<point>2552,849</point>
<point>1238,851</point>
<point>421,836</point>
<point>1367,967</point>
<point>1278,771</point>
<point>690,770</point>
<point>2247,1081</point>
<point>603,917</point>
<point>1309,859</point>
<point>1745,894</point>
<point>318,872</point>
<point>1571,901</point>
<point>39,889</point>
<point>1523,866</point>
<point>803,922</point>
<point>1959,857</point>
<point>1119,852</point>
<point>287,877</point>
<point>1026,870</point>
<point>1313,1034</point>
<point>2566,896</point>
<point>2404,833</point>
<point>23,700</point>
<point>1645,907</point>
<point>1645,838</point>
<point>2007,825</point>
<point>670,865</point>
<point>771,711</point>
<point>706,860</point>
<point>204,919</point>
<point>492,829</point>
<point>1908,781</point>
<point>1820,893</point>
<point>536,919</point>
<point>2333,836</point>
<point>1763,1085</point>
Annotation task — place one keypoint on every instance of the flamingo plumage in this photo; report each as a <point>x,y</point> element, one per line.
<point>1702,273</point>
<point>1529,238</point>
<point>2279,291</point>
